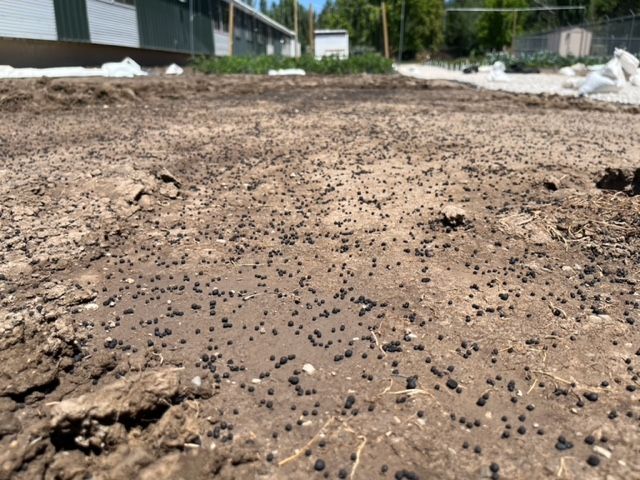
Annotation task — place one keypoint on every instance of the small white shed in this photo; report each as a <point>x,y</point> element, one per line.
<point>570,41</point>
<point>330,43</point>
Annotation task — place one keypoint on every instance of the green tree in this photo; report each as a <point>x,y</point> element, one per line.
<point>424,26</point>
<point>461,28</point>
<point>424,23</point>
<point>495,28</point>
<point>360,17</point>
<point>264,8</point>
<point>613,8</point>
<point>282,12</point>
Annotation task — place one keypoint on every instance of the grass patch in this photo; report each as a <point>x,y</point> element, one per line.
<point>369,63</point>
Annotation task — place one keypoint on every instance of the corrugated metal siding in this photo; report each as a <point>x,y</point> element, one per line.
<point>71,20</point>
<point>332,45</point>
<point>164,25</point>
<point>221,41</point>
<point>28,19</point>
<point>112,23</point>
<point>202,24</point>
<point>245,41</point>
<point>278,41</point>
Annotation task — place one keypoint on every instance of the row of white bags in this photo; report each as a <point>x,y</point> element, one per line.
<point>622,68</point>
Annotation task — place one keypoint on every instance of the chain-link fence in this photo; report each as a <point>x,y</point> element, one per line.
<point>597,39</point>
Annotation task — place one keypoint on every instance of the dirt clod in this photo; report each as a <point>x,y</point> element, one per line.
<point>621,180</point>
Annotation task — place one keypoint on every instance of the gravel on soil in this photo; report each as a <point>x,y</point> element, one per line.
<point>531,83</point>
<point>356,277</point>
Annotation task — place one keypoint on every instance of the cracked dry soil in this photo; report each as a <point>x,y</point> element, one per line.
<point>359,277</point>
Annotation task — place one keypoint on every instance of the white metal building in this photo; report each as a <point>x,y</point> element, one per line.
<point>38,33</point>
<point>331,43</point>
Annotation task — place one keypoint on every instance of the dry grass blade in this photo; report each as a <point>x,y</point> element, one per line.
<point>307,445</point>
<point>358,455</point>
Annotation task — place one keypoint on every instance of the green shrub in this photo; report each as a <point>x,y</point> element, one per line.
<point>368,63</point>
<point>544,59</point>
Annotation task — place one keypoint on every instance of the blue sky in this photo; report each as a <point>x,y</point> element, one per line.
<point>317,4</point>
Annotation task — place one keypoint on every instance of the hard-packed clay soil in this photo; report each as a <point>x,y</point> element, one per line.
<point>360,277</point>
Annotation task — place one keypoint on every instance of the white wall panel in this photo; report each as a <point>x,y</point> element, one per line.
<point>332,45</point>
<point>112,23</point>
<point>221,43</point>
<point>28,19</point>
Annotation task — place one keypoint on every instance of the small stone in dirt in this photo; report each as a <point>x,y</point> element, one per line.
<point>563,444</point>
<point>308,369</point>
<point>591,396</point>
<point>406,474</point>
<point>593,460</point>
<point>551,183</point>
<point>350,401</point>
<point>453,216</point>
<point>319,465</point>
<point>452,384</point>
<point>168,177</point>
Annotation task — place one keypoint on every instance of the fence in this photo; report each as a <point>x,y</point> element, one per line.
<point>621,32</point>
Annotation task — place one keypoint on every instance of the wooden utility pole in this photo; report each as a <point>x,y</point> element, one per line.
<point>385,31</point>
<point>401,31</point>
<point>311,32</point>
<point>295,26</point>
<point>231,28</point>
<point>513,32</point>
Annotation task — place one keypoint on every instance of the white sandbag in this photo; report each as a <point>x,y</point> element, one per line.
<point>174,69</point>
<point>580,69</point>
<point>497,73</point>
<point>287,71</point>
<point>498,66</point>
<point>635,80</point>
<point>573,83</point>
<point>613,70</point>
<point>498,76</point>
<point>598,83</point>
<point>628,62</point>
<point>567,72</point>
<point>484,68</point>
<point>127,68</point>
<point>58,72</point>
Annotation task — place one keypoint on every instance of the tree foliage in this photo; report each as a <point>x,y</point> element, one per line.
<point>282,12</point>
<point>495,29</point>
<point>599,9</point>
<point>424,23</point>
<point>461,28</point>
<point>428,28</point>
<point>360,17</point>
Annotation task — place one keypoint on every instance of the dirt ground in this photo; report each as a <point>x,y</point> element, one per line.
<point>316,278</point>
